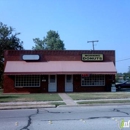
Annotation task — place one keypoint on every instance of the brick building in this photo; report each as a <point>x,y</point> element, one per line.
<point>58,71</point>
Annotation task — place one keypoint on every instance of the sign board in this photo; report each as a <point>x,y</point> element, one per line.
<point>85,75</point>
<point>31,57</point>
<point>92,57</point>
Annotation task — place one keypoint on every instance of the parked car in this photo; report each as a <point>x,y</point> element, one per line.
<point>125,84</point>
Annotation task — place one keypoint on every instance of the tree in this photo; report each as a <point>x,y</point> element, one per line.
<point>39,44</point>
<point>8,41</point>
<point>51,42</point>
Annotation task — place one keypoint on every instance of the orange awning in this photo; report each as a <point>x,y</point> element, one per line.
<point>58,67</point>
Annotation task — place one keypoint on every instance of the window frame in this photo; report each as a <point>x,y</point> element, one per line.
<point>96,81</point>
<point>52,79</point>
<point>23,82</point>
<point>68,78</point>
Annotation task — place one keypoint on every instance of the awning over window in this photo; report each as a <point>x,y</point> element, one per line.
<point>58,67</point>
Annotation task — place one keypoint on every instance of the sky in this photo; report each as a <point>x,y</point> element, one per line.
<point>76,21</point>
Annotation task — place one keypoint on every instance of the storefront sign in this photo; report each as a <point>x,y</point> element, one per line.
<point>92,57</point>
<point>31,57</point>
<point>85,75</point>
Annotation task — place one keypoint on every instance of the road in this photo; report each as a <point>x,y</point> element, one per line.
<point>65,118</point>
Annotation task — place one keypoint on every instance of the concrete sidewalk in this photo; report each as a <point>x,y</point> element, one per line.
<point>68,100</point>
<point>25,105</point>
<point>122,99</point>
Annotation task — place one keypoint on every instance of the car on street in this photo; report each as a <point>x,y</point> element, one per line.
<point>125,84</point>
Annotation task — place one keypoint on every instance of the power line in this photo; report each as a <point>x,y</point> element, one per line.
<point>123,60</point>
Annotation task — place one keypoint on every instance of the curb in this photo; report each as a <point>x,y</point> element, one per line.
<point>54,106</point>
<point>94,104</point>
<point>26,107</point>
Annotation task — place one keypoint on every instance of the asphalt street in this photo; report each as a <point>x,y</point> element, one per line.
<point>65,118</point>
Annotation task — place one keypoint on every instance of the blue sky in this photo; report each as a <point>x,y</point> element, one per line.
<point>77,21</point>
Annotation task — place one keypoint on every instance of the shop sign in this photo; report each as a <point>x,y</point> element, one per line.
<point>92,57</point>
<point>85,75</point>
<point>31,57</point>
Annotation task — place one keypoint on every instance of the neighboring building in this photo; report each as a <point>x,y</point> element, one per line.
<point>45,71</point>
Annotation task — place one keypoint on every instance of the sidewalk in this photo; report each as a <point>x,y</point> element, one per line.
<point>25,105</point>
<point>68,100</point>
<point>123,99</point>
<point>47,104</point>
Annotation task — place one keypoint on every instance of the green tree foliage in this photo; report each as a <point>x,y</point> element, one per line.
<point>8,41</point>
<point>51,42</point>
<point>126,76</point>
<point>39,44</point>
<point>122,76</point>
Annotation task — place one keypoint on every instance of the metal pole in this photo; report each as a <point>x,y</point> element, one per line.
<point>92,43</point>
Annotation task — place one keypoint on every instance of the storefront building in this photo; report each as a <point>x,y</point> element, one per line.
<point>46,71</point>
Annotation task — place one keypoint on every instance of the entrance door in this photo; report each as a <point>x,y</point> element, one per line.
<point>68,83</point>
<point>52,83</point>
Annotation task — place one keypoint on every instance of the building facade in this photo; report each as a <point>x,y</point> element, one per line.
<point>43,71</point>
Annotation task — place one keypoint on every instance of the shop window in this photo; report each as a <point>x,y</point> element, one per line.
<point>93,80</point>
<point>27,81</point>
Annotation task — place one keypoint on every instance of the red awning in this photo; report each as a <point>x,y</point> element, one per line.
<point>58,67</point>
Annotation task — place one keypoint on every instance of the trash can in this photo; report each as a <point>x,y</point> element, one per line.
<point>113,88</point>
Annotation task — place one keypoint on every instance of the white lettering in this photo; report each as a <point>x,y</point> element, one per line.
<point>129,123</point>
<point>126,124</point>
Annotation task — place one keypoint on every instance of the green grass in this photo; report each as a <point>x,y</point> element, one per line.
<point>106,95</point>
<point>29,97</point>
<point>104,102</point>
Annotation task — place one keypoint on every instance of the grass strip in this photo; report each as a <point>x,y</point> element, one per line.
<point>29,97</point>
<point>103,95</point>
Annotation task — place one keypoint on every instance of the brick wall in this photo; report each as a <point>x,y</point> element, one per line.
<point>67,55</point>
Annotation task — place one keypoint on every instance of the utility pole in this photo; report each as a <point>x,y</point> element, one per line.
<point>92,43</point>
<point>129,69</point>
